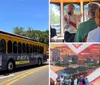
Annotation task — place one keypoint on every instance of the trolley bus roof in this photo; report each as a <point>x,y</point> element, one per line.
<point>19,36</point>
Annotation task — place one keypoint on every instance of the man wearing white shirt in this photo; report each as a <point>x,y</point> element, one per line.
<point>71,22</point>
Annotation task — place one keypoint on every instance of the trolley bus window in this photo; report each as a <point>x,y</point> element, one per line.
<point>14,47</point>
<point>23,48</point>
<point>2,46</point>
<point>9,46</point>
<point>33,49</point>
<point>42,49</point>
<point>19,47</point>
<point>39,49</point>
<point>55,17</point>
<point>76,11</point>
<point>27,48</point>
<point>86,10</point>
<point>30,48</point>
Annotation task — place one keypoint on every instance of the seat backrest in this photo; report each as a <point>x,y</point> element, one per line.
<point>53,32</point>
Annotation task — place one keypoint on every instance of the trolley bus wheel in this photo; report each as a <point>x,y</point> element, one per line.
<point>10,66</point>
<point>39,62</point>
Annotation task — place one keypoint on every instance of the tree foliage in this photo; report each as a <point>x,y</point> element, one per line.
<point>54,19</point>
<point>40,36</point>
<point>18,30</point>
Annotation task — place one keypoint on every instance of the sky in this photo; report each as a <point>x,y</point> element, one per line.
<point>24,13</point>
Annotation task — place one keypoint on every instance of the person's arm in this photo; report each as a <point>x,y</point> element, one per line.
<point>65,23</point>
<point>78,19</point>
<point>79,16</point>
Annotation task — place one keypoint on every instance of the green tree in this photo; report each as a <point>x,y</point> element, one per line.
<point>18,30</point>
<point>54,19</point>
<point>40,36</point>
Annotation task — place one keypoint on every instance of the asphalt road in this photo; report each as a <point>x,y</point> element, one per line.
<point>26,76</point>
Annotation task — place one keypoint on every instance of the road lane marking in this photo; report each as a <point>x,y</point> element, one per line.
<point>24,76</point>
<point>13,78</point>
<point>3,83</point>
<point>18,76</point>
<point>2,77</point>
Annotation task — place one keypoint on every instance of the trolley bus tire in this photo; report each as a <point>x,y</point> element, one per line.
<point>39,62</point>
<point>10,66</point>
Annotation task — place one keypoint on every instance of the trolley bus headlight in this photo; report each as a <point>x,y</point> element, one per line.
<point>0,60</point>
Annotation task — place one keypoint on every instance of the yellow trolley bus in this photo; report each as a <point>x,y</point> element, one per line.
<point>18,51</point>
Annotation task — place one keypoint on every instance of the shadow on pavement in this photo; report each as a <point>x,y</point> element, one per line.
<point>5,73</point>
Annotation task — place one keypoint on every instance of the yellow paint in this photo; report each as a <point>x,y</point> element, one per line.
<point>22,62</point>
<point>24,76</point>
<point>2,83</point>
<point>16,78</point>
<point>21,40</point>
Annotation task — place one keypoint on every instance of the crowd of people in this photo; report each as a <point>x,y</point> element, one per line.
<point>74,80</point>
<point>88,31</point>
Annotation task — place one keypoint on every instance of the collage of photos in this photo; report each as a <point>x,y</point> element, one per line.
<point>49,42</point>
<point>74,42</point>
<point>24,42</point>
